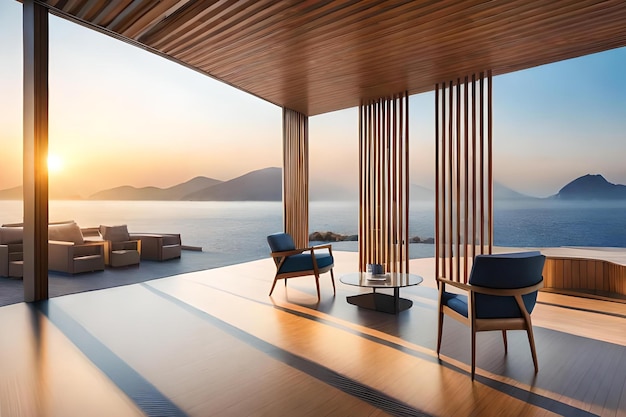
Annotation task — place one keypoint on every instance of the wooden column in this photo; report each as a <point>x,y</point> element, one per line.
<point>296,176</point>
<point>464,174</point>
<point>384,183</point>
<point>35,19</point>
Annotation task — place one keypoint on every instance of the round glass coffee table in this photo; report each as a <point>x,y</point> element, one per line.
<point>392,304</point>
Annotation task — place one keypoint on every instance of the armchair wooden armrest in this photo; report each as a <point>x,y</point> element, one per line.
<point>460,285</point>
<point>324,246</point>
<point>301,250</point>
<point>286,253</point>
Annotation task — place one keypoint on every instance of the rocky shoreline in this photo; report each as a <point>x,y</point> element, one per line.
<point>337,237</point>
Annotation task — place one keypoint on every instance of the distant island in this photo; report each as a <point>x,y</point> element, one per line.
<point>337,237</point>
<point>591,187</point>
<point>266,185</point>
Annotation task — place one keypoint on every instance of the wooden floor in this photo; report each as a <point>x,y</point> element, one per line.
<point>212,343</point>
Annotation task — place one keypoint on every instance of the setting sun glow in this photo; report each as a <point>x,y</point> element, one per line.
<point>55,164</point>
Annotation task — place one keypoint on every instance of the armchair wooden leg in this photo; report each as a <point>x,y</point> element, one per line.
<point>506,346</point>
<point>439,332</point>
<point>274,284</point>
<point>473,353</point>
<point>317,285</point>
<point>332,279</point>
<point>533,351</point>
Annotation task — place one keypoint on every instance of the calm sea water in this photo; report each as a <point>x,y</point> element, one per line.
<point>545,224</point>
<point>236,231</point>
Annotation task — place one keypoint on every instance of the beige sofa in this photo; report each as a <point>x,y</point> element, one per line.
<point>67,250</point>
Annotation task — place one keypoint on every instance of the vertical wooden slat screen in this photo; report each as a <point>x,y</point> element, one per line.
<point>464,174</point>
<point>384,183</point>
<point>296,176</point>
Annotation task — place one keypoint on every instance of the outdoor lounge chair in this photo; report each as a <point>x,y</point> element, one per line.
<point>120,249</point>
<point>159,246</point>
<point>11,255</point>
<point>501,295</point>
<point>68,251</point>
<point>297,262</point>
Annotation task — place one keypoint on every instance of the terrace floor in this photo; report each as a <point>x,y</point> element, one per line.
<point>212,342</point>
<point>12,290</point>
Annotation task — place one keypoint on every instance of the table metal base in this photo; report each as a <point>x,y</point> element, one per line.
<point>391,304</point>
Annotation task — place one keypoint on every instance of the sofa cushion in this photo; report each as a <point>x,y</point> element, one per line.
<point>66,232</point>
<point>11,235</point>
<point>115,233</point>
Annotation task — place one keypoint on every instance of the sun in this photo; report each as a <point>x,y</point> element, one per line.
<point>55,163</point>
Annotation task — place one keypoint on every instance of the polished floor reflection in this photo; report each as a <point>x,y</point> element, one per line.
<point>212,343</point>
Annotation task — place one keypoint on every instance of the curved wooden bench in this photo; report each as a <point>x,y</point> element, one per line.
<point>602,271</point>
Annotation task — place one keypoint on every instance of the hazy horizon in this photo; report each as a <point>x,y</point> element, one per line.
<point>320,192</point>
<point>120,115</point>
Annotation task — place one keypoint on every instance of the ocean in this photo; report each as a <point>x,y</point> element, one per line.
<point>236,231</point>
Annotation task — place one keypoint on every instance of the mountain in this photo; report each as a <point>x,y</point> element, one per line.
<point>502,192</point>
<point>591,187</point>
<point>54,193</point>
<point>176,192</point>
<point>127,192</point>
<point>261,185</point>
<point>14,193</point>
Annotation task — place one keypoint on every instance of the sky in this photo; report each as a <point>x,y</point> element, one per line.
<point>120,115</point>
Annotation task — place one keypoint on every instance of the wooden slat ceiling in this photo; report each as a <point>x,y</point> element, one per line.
<point>320,56</point>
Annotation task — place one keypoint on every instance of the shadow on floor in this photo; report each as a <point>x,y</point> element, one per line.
<point>12,290</point>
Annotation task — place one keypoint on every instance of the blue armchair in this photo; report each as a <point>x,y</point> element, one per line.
<point>297,262</point>
<point>501,295</point>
